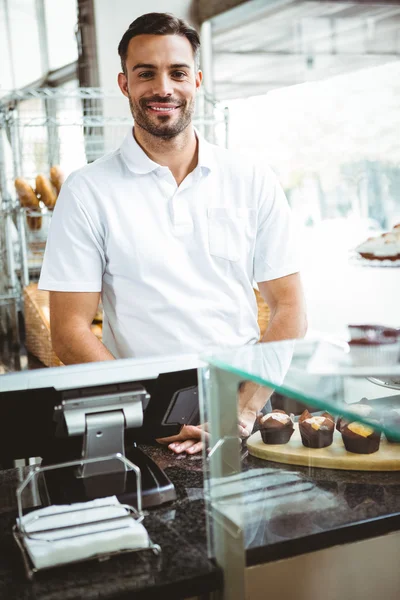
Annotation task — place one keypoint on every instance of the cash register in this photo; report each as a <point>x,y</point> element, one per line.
<point>84,412</point>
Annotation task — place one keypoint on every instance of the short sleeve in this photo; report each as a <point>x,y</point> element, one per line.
<point>74,258</point>
<point>275,252</point>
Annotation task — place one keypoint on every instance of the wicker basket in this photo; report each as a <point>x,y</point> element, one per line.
<point>263,313</point>
<point>37,324</point>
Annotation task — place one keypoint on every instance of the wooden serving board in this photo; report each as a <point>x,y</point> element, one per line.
<point>387,458</point>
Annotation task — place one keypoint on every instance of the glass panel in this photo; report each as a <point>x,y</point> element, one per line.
<point>25,42</point>
<point>328,376</point>
<point>61,41</point>
<point>302,473</point>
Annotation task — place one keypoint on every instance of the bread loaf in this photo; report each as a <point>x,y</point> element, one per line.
<point>26,194</point>
<point>56,178</point>
<point>34,223</point>
<point>45,191</point>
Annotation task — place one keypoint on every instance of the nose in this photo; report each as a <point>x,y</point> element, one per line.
<point>162,85</point>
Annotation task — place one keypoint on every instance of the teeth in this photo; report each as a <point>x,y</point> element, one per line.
<point>164,109</point>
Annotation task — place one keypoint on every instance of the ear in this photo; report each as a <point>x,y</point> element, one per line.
<point>199,79</point>
<point>123,84</point>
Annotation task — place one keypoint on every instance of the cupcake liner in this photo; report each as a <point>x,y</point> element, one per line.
<point>360,445</point>
<point>321,438</point>
<point>277,436</point>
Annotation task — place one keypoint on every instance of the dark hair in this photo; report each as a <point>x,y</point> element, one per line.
<point>158,24</point>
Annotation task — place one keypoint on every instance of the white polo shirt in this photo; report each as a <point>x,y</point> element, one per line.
<point>175,265</point>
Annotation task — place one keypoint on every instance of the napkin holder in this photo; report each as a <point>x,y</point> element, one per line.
<point>21,535</point>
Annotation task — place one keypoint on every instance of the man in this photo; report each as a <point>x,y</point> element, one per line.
<point>169,229</point>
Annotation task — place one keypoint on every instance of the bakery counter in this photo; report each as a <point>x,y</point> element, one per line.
<point>340,538</point>
<point>306,515</point>
<point>335,509</point>
<point>326,507</point>
<point>181,571</point>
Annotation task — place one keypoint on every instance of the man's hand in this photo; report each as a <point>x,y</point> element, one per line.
<point>252,398</point>
<point>189,439</point>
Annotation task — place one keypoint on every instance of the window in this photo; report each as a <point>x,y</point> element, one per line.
<point>61,20</point>
<point>6,82</point>
<point>25,44</point>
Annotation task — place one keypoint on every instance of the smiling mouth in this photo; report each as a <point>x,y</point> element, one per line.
<point>162,109</point>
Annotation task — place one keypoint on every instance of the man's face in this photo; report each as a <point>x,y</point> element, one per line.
<point>161,83</point>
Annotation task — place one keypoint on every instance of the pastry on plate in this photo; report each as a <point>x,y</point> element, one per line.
<point>276,427</point>
<point>360,438</point>
<point>316,430</point>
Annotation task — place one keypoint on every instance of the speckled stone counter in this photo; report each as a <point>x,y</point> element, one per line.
<point>181,571</point>
<point>340,507</point>
<point>346,506</point>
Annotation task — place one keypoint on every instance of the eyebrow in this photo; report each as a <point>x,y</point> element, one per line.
<point>150,66</point>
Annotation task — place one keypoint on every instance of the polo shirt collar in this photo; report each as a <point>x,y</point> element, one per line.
<point>135,158</point>
<point>138,161</point>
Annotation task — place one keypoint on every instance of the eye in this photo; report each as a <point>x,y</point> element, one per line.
<point>146,75</point>
<point>178,74</point>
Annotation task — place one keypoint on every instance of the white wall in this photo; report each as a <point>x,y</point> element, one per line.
<point>112,19</point>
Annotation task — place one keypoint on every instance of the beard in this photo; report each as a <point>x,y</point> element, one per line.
<point>162,126</point>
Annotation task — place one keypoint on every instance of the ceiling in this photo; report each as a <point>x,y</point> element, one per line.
<point>266,44</point>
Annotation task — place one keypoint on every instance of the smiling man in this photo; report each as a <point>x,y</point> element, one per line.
<point>170,230</point>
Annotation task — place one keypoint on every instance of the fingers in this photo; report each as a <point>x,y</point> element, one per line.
<point>243,432</point>
<point>189,440</point>
<point>187,432</point>
<point>168,440</point>
<point>190,446</point>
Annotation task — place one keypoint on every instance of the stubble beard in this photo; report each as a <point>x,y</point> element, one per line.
<point>161,128</point>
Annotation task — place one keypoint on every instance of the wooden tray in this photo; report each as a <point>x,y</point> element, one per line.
<point>334,457</point>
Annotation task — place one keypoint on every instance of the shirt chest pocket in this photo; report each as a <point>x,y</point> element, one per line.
<point>225,233</point>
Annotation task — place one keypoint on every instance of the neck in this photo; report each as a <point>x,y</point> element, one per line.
<point>179,154</point>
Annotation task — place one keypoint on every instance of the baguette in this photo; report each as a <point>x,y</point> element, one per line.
<point>56,178</point>
<point>46,191</point>
<point>26,194</point>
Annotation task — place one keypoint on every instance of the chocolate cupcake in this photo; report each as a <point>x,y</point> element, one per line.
<point>361,409</point>
<point>392,420</point>
<point>359,438</point>
<point>276,427</point>
<point>316,431</point>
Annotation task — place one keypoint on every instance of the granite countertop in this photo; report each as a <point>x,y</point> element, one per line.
<point>338,506</point>
<point>182,570</point>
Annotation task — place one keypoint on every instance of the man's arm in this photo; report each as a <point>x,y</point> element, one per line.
<point>285,298</point>
<point>71,315</point>
<point>288,320</point>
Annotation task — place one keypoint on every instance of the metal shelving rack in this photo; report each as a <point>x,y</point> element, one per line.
<point>67,126</point>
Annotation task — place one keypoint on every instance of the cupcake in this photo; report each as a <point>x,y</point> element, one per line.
<point>316,431</point>
<point>360,409</point>
<point>392,420</point>
<point>360,438</point>
<point>276,427</point>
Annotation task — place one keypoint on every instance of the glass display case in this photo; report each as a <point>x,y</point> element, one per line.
<point>321,469</point>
